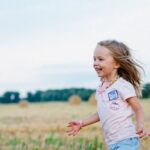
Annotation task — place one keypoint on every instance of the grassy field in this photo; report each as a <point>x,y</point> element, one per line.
<point>42,126</point>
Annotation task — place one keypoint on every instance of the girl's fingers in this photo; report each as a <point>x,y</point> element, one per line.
<point>71,133</point>
<point>148,134</point>
<point>72,122</point>
<point>75,132</point>
<point>71,129</point>
<point>74,128</point>
<point>142,135</point>
<point>69,125</point>
<point>68,130</point>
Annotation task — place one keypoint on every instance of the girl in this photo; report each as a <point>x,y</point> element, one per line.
<point>117,97</point>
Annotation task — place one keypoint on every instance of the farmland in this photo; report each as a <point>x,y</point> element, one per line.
<point>42,126</point>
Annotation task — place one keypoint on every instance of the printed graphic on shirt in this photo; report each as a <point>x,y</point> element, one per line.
<point>113,95</point>
<point>114,105</point>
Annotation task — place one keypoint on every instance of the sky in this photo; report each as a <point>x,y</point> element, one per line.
<point>47,44</point>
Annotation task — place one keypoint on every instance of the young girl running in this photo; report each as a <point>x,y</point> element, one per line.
<point>117,97</point>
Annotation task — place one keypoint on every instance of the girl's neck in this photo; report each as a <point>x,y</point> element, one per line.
<point>107,83</point>
<point>111,79</point>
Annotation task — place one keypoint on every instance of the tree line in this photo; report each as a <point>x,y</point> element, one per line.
<point>48,95</point>
<point>57,95</point>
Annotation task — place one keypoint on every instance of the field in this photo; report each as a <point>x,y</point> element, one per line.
<point>42,126</point>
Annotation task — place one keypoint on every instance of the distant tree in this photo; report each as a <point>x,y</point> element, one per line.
<point>38,96</point>
<point>146,91</point>
<point>30,97</point>
<point>11,97</point>
<point>1,99</point>
<point>16,97</point>
<point>59,95</point>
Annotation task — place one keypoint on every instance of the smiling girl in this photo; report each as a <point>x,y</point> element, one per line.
<point>117,97</point>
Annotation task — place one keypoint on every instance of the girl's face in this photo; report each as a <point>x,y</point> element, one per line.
<point>104,64</point>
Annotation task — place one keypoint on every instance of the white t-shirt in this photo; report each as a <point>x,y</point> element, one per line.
<point>114,111</point>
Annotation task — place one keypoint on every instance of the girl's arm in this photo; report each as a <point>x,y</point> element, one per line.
<point>90,120</point>
<point>75,126</point>
<point>139,114</point>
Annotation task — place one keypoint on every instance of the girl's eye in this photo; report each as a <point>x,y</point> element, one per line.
<point>100,59</point>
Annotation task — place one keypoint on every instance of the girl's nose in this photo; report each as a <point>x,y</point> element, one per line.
<point>95,62</point>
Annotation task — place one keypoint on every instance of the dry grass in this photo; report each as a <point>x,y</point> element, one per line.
<point>33,126</point>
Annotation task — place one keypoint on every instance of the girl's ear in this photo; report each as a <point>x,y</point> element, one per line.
<point>116,65</point>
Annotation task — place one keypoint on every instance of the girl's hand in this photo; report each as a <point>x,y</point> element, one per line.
<point>142,133</point>
<point>74,127</point>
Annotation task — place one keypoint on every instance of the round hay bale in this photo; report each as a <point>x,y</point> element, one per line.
<point>92,99</point>
<point>75,100</point>
<point>23,103</point>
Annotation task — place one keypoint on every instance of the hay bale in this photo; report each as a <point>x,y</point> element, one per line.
<point>92,99</point>
<point>23,103</point>
<point>75,100</point>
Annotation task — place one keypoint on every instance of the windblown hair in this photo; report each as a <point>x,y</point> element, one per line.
<point>129,68</point>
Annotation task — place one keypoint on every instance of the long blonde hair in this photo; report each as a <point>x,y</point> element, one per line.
<point>129,68</point>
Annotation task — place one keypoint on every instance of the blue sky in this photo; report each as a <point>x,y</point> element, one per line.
<point>49,44</point>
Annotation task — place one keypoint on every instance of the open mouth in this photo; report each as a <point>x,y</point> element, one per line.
<point>98,69</point>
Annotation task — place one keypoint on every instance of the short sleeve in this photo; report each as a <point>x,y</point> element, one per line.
<point>127,90</point>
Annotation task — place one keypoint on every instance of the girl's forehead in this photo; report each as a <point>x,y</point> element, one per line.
<point>101,51</point>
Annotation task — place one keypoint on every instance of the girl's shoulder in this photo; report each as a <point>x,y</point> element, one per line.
<point>124,83</point>
<point>126,89</point>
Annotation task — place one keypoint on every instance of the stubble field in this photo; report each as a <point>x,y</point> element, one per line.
<point>42,126</point>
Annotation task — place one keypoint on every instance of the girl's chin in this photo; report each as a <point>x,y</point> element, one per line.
<point>99,75</point>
